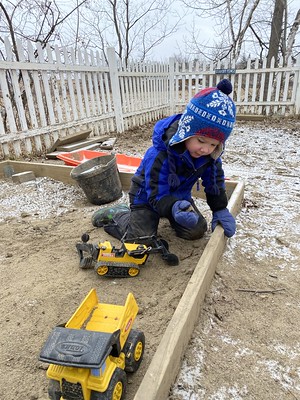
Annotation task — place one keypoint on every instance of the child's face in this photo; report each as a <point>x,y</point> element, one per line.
<point>199,146</point>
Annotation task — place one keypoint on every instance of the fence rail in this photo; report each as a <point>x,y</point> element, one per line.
<point>46,93</point>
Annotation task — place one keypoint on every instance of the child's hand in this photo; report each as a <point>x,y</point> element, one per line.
<point>224,218</point>
<point>184,214</point>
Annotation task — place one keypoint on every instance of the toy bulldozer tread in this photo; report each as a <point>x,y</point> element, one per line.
<point>90,355</point>
<point>122,270</point>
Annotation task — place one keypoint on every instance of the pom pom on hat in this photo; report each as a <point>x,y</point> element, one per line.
<point>211,113</point>
<point>225,86</point>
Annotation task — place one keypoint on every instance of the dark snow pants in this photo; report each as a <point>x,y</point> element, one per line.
<point>142,221</point>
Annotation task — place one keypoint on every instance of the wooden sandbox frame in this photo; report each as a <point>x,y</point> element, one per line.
<point>166,362</point>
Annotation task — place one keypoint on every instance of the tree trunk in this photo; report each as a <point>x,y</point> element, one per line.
<point>276,30</point>
<point>291,37</point>
<point>275,37</point>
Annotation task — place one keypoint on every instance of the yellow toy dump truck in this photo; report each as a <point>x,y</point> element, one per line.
<point>90,355</point>
<point>110,261</point>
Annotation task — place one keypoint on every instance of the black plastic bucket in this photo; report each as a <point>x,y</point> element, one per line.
<point>99,179</point>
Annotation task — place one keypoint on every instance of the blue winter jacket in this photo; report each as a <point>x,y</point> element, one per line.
<point>150,187</point>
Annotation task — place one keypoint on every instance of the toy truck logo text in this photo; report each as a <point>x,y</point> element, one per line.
<point>76,349</point>
<point>108,255</point>
<point>128,325</point>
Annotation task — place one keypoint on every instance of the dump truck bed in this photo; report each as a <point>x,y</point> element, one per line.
<point>94,316</point>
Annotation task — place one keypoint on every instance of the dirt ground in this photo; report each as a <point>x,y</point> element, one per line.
<point>246,344</point>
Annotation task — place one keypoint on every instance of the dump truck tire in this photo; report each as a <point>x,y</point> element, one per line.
<point>54,391</point>
<point>116,388</point>
<point>134,350</point>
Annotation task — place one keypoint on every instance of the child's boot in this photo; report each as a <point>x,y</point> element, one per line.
<point>106,215</point>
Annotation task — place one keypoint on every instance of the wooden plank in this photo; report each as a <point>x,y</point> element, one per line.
<point>54,78</point>
<point>45,86</point>
<point>27,86</point>
<point>107,145</point>
<point>270,86</point>
<point>254,85</point>
<point>166,361</point>
<point>81,143</point>
<point>77,76</point>
<point>115,89</point>
<point>53,155</point>
<point>199,191</point>
<point>103,102</point>
<point>92,90</point>
<point>57,172</point>
<point>2,131</point>
<point>62,84</point>
<point>83,85</point>
<point>14,77</point>
<point>45,67</point>
<point>7,103</point>
<point>286,84</point>
<point>54,171</point>
<point>75,137</point>
<point>247,85</point>
<point>277,82</point>
<point>70,89</point>
<point>37,88</point>
<point>262,86</point>
<point>95,84</point>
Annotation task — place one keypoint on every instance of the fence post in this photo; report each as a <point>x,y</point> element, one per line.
<point>297,86</point>
<point>115,88</point>
<point>171,84</point>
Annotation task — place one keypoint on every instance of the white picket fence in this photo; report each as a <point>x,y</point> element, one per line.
<point>48,93</point>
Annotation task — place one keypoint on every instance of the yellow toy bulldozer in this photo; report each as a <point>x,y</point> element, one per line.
<point>90,355</point>
<point>108,260</point>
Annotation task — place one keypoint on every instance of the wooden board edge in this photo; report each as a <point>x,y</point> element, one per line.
<point>166,362</point>
<point>57,172</point>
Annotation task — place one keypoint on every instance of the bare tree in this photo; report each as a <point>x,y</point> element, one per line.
<point>133,27</point>
<point>33,20</point>
<point>244,24</point>
<point>232,22</point>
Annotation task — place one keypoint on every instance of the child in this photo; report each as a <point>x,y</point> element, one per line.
<point>185,147</point>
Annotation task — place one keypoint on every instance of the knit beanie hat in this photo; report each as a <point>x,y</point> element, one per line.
<point>211,113</point>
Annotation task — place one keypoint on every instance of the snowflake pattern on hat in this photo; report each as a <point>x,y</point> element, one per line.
<point>184,127</point>
<point>209,113</point>
<point>223,101</point>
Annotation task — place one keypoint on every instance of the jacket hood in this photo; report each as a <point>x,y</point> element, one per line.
<point>163,140</point>
<point>163,131</point>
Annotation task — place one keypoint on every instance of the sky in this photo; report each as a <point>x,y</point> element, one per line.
<point>176,44</point>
